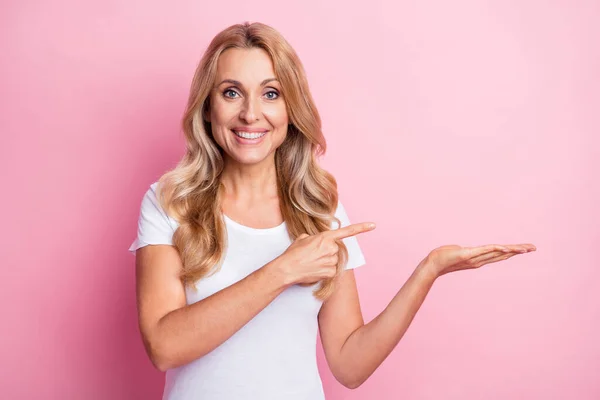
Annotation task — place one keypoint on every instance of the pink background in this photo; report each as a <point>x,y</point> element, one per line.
<point>460,122</point>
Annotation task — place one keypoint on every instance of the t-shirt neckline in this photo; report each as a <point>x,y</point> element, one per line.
<point>260,231</point>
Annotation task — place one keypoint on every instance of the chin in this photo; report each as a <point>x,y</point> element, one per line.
<point>250,159</point>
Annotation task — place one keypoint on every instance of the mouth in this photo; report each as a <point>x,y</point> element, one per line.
<point>249,137</point>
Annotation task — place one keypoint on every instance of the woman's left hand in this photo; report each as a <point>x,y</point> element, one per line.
<point>450,258</point>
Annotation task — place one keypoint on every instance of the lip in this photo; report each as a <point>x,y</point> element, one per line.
<point>248,129</point>
<point>249,142</point>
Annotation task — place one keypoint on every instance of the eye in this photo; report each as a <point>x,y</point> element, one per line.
<point>273,93</point>
<point>227,91</point>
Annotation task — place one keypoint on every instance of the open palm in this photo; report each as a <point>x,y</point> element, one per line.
<point>452,258</point>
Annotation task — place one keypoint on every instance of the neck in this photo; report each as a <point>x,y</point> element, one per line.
<point>247,183</point>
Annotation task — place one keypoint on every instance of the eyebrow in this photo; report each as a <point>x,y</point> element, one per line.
<point>238,83</point>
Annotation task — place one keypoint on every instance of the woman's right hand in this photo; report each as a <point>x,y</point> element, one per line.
<point>311,258</point>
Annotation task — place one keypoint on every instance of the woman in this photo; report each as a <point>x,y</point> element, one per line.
<point>244,249</point>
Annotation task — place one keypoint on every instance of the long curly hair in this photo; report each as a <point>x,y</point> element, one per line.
<point>191,192</point>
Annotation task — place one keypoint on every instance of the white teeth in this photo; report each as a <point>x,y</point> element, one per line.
<point>250,135</point>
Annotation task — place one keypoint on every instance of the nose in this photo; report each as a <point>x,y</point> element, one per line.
<point>250,110</point>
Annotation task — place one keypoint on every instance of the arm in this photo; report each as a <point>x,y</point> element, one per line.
<point>175,333</point>
<point>355,350</point>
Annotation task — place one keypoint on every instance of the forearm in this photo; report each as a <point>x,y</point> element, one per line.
<point>368,346</point>
<point>192,331</point>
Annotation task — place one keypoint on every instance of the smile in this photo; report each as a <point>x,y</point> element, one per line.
<point>249,138</point>
<point>250,135</point>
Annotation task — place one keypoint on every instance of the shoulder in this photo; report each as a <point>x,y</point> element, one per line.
<point>340,213</point>
<point>153,190</point>
<point>152,207</point>
<point>356,257</point>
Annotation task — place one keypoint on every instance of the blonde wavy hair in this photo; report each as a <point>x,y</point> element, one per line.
<point>191,192</point>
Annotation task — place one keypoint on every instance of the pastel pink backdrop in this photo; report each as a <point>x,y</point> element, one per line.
<point>447,122</point>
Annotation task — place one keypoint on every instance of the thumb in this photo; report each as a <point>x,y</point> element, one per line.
<point>302,236</point>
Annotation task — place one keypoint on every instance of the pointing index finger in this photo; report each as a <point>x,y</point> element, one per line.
<point>351,230</point>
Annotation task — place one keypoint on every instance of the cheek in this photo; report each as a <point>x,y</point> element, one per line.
<point>277,115</point>
<point>221,112</point>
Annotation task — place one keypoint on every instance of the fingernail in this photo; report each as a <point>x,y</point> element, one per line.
<point>371,226</point>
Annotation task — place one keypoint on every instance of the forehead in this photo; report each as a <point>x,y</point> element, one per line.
<point>249,66</point>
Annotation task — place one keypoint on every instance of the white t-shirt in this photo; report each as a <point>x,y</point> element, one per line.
<point>273,356</point>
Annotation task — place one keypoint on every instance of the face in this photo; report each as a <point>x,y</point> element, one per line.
<point>247,112</point>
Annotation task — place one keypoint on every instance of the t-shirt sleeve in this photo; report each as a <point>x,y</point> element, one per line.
<point>356,257</point>
<point>154,225</point>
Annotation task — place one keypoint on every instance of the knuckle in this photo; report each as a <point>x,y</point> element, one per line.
<point>325,244</point>
<point>328,261</point>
